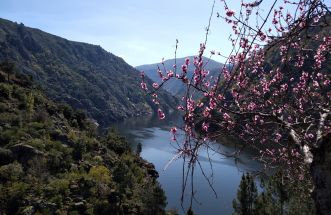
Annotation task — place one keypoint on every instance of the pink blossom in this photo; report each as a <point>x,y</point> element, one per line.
<point>180,107</point>
<point>226,117</point>
<point>278,137</point>
<point>170,74</point>
<point>187,61</point>
<point>143,86</point>
<point>160,114</point>
<point>229,12</point>
<point>184,68</point>
<point>173,130</point>
<point>155,85</point>
<point>251,106</point>
<point>205,126</point>
<point>206,112</point>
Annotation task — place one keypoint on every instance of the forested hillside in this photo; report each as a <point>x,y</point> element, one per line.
<point>52,162</point>
<point>82,75</point>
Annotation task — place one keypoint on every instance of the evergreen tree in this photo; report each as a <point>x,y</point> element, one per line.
<point>139,149</point>
<point>279,196</point>
<point>190,211</point>
<point>8,67</point>
<point>246,196</point>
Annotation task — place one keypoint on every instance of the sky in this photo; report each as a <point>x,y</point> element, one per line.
<point>139,31</point>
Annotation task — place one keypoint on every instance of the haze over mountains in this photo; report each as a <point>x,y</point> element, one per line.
<point>82,75</point>
<point>176,87</point>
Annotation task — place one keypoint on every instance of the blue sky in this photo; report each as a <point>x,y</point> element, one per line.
<point>140,31</point>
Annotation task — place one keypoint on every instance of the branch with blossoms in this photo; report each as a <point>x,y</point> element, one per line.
<point>275,96</point>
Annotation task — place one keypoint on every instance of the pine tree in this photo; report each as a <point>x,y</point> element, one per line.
<point>279,196</point>
<point>190,211</point>
<point>139,149</point>
<point>246,196</point>
<point>8,67</point>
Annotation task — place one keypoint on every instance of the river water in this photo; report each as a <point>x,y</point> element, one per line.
<point>158,148</point>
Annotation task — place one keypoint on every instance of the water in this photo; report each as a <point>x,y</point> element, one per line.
<point>157,148</point>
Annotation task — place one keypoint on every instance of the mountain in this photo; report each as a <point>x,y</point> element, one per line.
<point>52,162</point>
<point>82,75</point>
<point>176,87</point>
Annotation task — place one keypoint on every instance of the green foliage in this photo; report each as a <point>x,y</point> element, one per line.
<point>278,196</point>
<point>100,174</point>
<point>59,186</point>
<point>116,143</point>
<point>51,162</point>
<point>8,67</point>
<point>245,204</point>
<point>11,172</point>
<point>5,90</point>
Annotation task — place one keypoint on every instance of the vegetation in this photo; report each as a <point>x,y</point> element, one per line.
<point>82,75</point>
<point>277,196</point>
<point>246,202</point>
<point>52,162</point>
<point>275,98</point>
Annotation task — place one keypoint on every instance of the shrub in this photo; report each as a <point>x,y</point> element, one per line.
<point>5,90</point>
<point>11,172</point>
<point>100,174</point>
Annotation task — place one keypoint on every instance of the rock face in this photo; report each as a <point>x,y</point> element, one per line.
<point>6,156</point>
<point>321,173</point>
<point>23,152</point>
<point>149,167</point>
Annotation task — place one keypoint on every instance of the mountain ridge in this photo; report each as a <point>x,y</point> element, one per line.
<point>175,87</point>
<point>83,75</point>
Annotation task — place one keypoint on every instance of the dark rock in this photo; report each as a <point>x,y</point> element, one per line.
<point>150,169</point>
<point>321,173</point>
<point>153,173</point>
<point>62,138</point>
<point>6,156</point>
<point>23,152</point>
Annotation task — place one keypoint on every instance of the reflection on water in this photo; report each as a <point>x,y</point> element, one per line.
<point>157,148</point>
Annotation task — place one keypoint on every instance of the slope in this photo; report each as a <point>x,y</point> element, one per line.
<point>175,87</point>
<point>84,76</point>
<point>51,162</point>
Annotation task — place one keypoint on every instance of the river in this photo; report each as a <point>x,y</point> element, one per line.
<point>157,148</point>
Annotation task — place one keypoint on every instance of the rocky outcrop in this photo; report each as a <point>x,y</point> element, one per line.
<point>6,156</point>
<point>321,173</point>
<point>23,152</point>
<point>149,167</point>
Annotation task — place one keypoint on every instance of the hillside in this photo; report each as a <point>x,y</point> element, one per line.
<point>51,162</point>
<point>82,75</point>
<point>174,87</point>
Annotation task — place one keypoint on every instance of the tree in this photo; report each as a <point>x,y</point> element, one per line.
<point>273,91</point>
<point>277,196</point>
<point>246,196</point>
<point>8,67</point>
<point>190,211</point>
<point>139,149</point>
